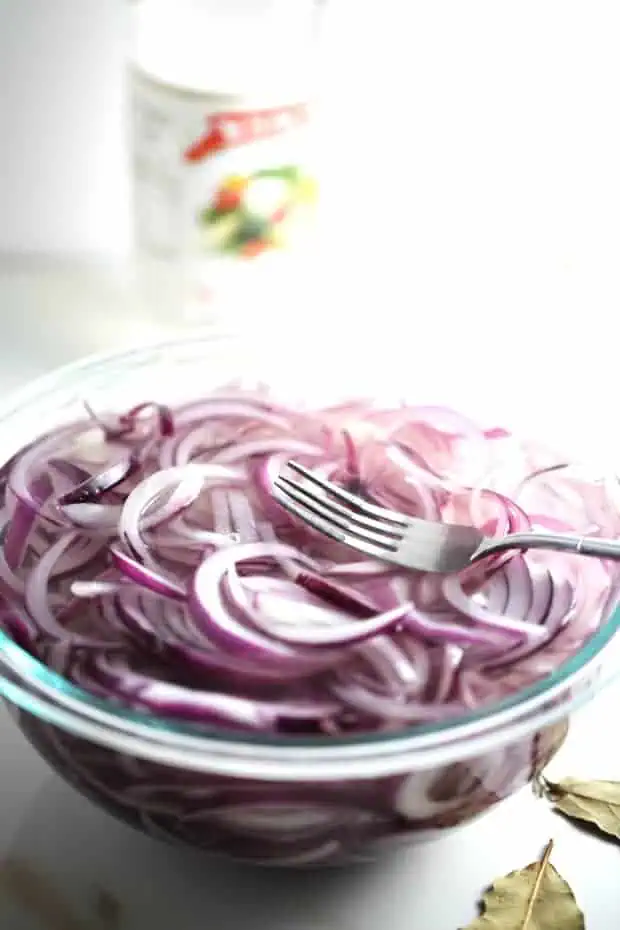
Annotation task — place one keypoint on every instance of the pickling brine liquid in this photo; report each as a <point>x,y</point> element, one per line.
<point>224,189</point>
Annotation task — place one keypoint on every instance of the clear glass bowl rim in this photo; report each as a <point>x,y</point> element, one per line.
<point>37,690</point>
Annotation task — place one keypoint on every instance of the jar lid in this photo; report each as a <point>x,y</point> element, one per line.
<point>261,49</point>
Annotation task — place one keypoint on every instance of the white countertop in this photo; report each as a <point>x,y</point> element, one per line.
<point>71,851</point>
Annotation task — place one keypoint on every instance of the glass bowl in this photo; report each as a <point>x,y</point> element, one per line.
<point>287,801</point>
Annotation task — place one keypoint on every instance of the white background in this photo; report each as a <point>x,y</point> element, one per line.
<point>473,165</point>
<point>61,158</point>
<point>471,188</point>
<point>480,138</point>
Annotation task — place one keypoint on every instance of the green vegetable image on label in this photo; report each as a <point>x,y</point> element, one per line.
<point>248,215</point>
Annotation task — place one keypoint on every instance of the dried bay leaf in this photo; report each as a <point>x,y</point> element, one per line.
<point>535,898</point>
<point>597,802</point>
<point>37,894</point>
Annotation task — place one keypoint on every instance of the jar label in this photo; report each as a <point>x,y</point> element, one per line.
<point>216,179</point>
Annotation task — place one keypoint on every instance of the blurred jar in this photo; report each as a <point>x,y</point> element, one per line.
<point>224,184</point>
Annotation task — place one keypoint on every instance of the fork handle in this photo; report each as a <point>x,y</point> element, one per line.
<point>561,542</point>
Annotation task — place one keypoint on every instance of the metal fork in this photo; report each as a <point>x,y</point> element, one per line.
<point>417,544</point>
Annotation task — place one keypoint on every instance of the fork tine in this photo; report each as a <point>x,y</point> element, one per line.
<point>376,552</point>
<point>316,507</point>
<point>346,496</point>
<point>331,509</point>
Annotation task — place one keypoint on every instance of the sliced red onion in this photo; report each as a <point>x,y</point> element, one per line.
<point>21,629</point>
<point>207,707</point>
<point>451,658</point>
<point>360,570</point>
<point>496,432</point>
<point>143,553</point>
<point>443,419</point>
<point>90,490</point>
<point>229,411</point>
<point>316,626</point>
<point>16,534</point>
<point>389,709</point>
<point>11,585</point>
<point>181,535</point>
<point>184,649</point>
<point>70,472</point>
<point>89,589</point>
<point>244,521</point>
<point>222,519</point>
<point>124,427</point>
<point>339,595</point>
<point>189,481</point>
<point>94,517</point>
<point>440,628</point>
<point>416,482</point>
<point>146,577</point>
<point>27,467</point>
<point>519,629</point>
<point>208,606</point>
<point>168,700</point>
<point>541,583</point>
<point>112,427</point>
<point>245,450</point>
<point>36,593</point>
<point>163,416</point>
<point>79,557</point>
